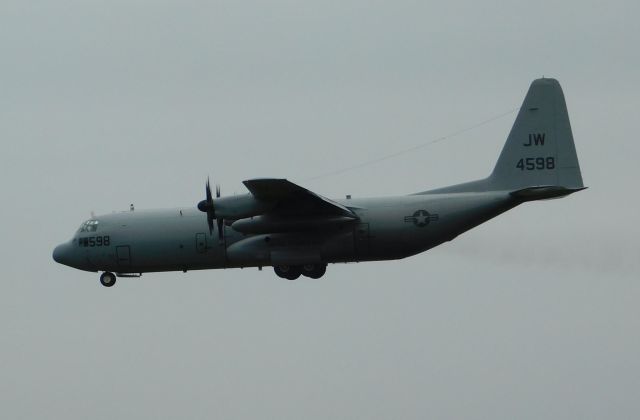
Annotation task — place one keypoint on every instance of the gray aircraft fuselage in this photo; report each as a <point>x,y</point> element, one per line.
<point>179,239</point>
<point>297,231</point>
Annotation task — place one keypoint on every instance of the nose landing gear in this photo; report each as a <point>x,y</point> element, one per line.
<point>108,279</point>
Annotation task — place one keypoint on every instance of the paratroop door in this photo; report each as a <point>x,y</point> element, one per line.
<point>123,254</point>
<point>201,242</point>
<point>361,240</point>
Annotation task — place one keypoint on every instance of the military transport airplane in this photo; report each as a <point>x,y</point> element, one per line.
<point>298,232</point>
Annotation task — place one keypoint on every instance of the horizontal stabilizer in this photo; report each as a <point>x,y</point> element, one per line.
<point>543,193</point>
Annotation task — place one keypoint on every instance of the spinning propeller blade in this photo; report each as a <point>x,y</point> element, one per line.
<point>207,206</point>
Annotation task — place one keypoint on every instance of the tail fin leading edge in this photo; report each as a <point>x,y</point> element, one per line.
<point>539,150</point>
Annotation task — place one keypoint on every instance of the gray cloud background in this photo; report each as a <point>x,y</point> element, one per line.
<point>532,315</point>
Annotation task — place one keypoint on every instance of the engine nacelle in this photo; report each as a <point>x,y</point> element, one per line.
<point>241,206</point>
<point>275,224</point>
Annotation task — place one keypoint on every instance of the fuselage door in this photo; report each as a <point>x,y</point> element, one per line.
<point>124,256</point>
<point>361,240</point>
<point>201,243</point>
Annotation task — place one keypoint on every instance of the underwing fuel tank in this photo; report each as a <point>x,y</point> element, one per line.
<point>264,224</point>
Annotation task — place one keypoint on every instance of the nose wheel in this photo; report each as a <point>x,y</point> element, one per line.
<point>108,279</point>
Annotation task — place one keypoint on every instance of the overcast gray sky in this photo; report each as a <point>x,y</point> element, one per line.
<point>533,315</point>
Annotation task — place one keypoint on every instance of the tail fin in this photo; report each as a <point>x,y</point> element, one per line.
<point>539,150</point>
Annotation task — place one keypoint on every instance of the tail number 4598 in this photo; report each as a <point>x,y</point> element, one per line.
<point>536,164</point>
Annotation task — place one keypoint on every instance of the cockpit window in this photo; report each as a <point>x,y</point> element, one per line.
<point>89,226</point>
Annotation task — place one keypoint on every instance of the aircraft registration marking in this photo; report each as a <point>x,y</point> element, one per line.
<point>535,139</point>
<point>92,241</point>
<point>536,163</point>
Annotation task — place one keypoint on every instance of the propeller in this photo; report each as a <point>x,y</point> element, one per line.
<point>208,207</point>
<point>219,220</point>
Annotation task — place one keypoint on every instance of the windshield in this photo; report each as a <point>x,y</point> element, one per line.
<point>89,226</point>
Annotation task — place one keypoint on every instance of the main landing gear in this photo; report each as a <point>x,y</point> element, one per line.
<point>292,272</point>
<point>108,279</point>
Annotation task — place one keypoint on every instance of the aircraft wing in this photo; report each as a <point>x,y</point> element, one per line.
<point>293,200</point>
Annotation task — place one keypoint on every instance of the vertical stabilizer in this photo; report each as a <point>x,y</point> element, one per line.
<point>539,150</point>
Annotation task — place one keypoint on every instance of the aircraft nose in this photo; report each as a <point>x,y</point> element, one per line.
<point>60,254</point>
<point>67,254</point>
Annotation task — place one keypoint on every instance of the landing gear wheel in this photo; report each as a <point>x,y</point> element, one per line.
<point>314,271</point>
<point>289,272</point>
<point>108,279</point>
